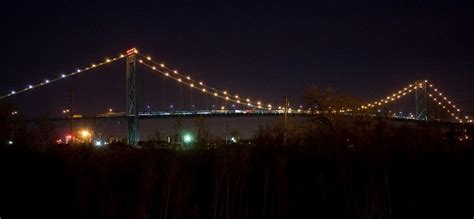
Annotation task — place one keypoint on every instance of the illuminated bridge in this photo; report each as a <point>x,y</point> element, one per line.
<point>426,95</point>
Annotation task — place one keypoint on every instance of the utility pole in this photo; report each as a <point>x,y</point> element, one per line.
<point>286,121</point>
<point>71,114</point>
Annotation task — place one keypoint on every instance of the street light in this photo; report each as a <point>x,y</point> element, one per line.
<point>85,133</point>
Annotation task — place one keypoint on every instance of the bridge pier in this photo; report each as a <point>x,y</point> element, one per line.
<point>131,96</point>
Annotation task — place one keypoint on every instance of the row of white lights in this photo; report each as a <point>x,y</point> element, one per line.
<point>61,76</point>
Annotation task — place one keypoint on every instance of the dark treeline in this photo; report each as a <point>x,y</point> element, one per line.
<point>359,169</point>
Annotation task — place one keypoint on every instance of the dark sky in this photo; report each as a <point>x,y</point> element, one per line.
<point>268,49</point>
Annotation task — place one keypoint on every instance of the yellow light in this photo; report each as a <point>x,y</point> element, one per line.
<point>108,60</point>
<point>259,103</point>
<point>141,61</point>
<point>179,79</point>
<point>215,94</point>
<point>238,101</point>
<point>149,58</point>
<point>200,83</point>
<point>237,96</point>
<point>226,98</point>
<point>175,71</point>
<point>85,133</point>
<point>189,78</point>
<point>192,85</point>
<point>248,100</point>
<point>162,65</point>
<point>167,74</point>
<point>154,68</point>
<point>225,92</point>
<point>204,90</point>
<point>121,55</point>
<point>93,65</point>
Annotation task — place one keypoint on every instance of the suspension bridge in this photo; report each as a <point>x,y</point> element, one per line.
<point>425,93</point>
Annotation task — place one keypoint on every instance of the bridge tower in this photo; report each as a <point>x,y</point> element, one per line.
<point>132,112</point>
<point>421,101</point>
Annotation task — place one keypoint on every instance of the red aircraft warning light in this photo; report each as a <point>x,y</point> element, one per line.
<point>132,51</point>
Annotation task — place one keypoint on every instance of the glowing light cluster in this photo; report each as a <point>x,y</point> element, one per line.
<point>61,76</point>
<point>149,62</point>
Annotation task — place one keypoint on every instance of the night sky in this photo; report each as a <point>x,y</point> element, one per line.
<point>267,50</point>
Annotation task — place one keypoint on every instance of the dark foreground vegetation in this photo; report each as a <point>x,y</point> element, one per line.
<point>365,169</point>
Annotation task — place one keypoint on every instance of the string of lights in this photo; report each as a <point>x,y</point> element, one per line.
<point>62,76</point>
<point>205,89</point>
<point>444,98</point>
<point>394,96</point>
<point>199,85</point>
<point>450,112</point>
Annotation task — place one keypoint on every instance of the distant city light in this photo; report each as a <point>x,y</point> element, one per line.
<point>10,142</point>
